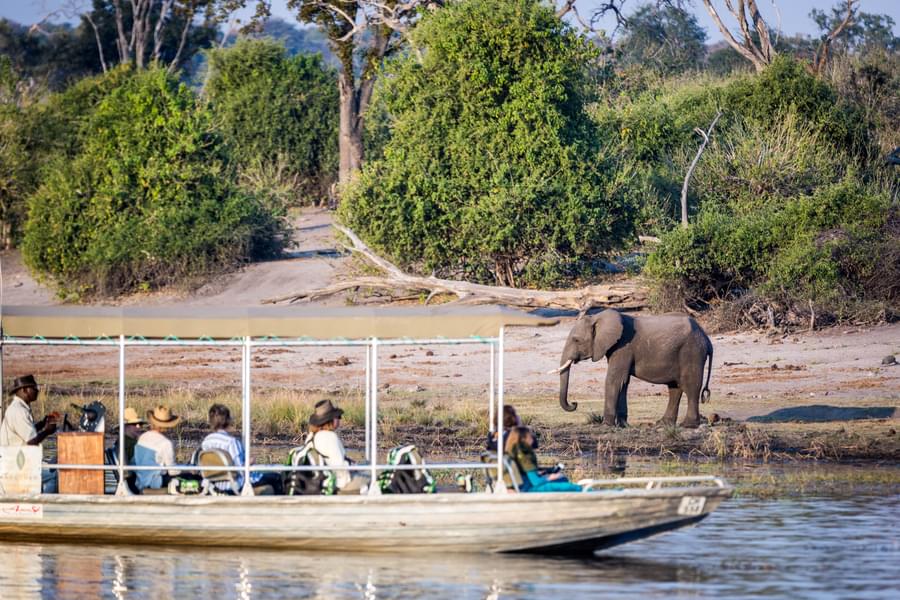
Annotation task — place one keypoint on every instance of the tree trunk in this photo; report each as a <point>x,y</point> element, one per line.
<point>350,140</point>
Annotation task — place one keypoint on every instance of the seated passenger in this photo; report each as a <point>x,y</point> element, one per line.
<point>510,419</point>
<point>322,425</point>
<point>519,447</point>
<point>220,439</point>
<point>154,449</point>
<point>133,430</point>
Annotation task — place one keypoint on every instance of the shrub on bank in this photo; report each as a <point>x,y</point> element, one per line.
<point>150,198</point>
<point>493,171</point>
<point>278,113</point>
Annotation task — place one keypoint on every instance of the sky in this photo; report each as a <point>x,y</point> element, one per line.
<point>793,15</point>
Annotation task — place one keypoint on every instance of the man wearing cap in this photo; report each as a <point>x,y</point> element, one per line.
<point>326,418</point>
<point>18,427</point>
<point>154,449</point>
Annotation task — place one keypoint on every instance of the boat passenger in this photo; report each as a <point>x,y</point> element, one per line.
<point>19,429</point>
<point>220,421</point>
<point>520,449</point>
<point>510,419</point>
<point>326,418</point>
<point>134,428</point>
<point>153,449</point>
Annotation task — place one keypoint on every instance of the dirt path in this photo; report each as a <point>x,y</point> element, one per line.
<point>312,262</point>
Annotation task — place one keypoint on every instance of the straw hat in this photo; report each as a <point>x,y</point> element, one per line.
<point>161,417</point>
<point>324,413</point>
<point>132,418</point>
<point>20,383</point>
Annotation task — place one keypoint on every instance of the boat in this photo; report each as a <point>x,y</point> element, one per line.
<point>498,519</point>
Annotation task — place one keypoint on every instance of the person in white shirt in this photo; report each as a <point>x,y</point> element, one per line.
<point>153,449</point>
<point>326,418</point>
<point>18,427</point>
<point>220,439</point>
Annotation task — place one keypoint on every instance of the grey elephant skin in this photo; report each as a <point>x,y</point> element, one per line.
<point>667,349</point>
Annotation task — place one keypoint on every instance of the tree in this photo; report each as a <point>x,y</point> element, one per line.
<point>361,33</point>
<point>149,199</point>
<point>753,41</point>
<point>273,107</point>
<point>665,38</point>
<point>848,29</point>
<point>494,170</point>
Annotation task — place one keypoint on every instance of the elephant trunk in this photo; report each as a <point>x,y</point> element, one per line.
<point>564,391</point>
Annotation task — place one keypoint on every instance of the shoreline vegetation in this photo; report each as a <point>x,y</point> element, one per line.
<point>438,427</point>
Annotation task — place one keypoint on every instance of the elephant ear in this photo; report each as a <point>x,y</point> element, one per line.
<point>607,331</point>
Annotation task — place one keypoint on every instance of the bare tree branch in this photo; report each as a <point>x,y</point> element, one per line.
<point>758,51</point>
<point>687,178</point>
<point>822,54</point>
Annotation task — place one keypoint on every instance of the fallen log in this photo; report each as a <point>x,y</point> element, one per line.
<point>620,294</point>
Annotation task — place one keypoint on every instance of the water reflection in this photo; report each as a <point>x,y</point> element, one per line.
<point>817,548</point>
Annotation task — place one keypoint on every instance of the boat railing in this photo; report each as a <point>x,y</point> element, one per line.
<point>652,483</point>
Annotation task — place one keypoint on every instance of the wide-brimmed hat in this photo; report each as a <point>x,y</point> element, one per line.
<point>162,417</point>
<point>20,383</point>
<point>132,418</point>
<point>324,413</point>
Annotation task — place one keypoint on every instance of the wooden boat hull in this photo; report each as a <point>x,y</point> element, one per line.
<point>566,523</point>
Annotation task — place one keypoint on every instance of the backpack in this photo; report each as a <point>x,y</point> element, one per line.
<point>414,481</point>
<point>299,483</point>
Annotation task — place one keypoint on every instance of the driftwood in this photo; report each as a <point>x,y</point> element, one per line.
<point>621,295</point>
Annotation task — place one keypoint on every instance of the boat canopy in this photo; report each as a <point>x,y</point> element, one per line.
<point>312,322</point>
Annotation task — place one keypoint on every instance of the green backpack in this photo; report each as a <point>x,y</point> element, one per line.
<point>298,483</point>
<point>412,481</point>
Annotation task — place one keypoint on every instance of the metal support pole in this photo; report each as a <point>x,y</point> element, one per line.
<point>500,485</point>
<point>491,394</point>
<point>122,488</point>
<point>247,490</point>
<point>373,422</point>
<point>368,401</point>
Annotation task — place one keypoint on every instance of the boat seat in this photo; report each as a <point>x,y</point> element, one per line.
<point>218,458</point>
<point>512,478</point>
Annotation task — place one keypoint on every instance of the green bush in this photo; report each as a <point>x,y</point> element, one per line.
<point>837,248</point>
<point>274,108</point>
<point>150,198</point>
<point>493,171</point>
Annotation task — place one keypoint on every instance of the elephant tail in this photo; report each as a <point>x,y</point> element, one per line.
<point>705,394</point>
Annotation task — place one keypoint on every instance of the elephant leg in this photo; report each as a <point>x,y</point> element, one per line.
<point>622,405</point>
<point>616,382</point>
<point>671,413</point>
<point>692,419</point>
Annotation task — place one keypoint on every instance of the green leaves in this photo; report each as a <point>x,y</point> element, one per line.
<point>150,197</point>
<point>493,170</point>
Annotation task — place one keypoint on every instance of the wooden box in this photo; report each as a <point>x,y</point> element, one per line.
<point>80,448</point>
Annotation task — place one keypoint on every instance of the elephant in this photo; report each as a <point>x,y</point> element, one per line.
<point>669,349</point>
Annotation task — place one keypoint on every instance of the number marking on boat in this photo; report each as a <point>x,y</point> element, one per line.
<point>691,505</point>
<point>19,510</point>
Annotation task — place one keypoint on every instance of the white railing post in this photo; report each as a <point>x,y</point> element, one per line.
<point>491,394</point>
<point>500,486</point>
<point>247,489</point>
<point>373,451</point>
<point>368,401</point>
<point>122,488</point>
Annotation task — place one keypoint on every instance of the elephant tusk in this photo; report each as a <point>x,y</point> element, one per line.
<point>561,369</point>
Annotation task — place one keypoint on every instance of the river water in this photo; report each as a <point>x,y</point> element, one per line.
<point>819,547</point>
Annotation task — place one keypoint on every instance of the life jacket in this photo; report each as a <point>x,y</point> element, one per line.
<point>299,483</point>
<point>413,481</point>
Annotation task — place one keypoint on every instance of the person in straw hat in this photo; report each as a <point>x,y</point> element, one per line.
<point>153,449</point>
<point>326,418</point>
